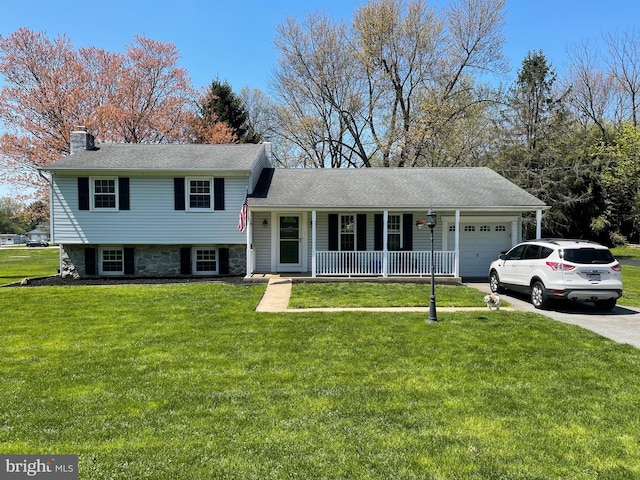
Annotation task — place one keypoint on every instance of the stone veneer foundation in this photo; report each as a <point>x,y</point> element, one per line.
<point>149,261</point>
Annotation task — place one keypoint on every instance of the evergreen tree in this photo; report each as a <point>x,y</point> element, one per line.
<point>220,104</point>
<point>541,151</point>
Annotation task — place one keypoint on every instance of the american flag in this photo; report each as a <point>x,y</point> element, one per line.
<point>242,218</point>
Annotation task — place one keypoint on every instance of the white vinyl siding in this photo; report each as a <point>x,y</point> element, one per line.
<point>152,218</point>
<point>262,241</point>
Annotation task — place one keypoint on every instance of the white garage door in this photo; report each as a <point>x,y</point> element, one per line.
<point>480,244</point>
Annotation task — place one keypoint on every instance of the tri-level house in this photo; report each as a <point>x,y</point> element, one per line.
<point>173,210</point>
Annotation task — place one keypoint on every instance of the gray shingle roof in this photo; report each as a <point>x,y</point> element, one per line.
<point>394,188</point>
<point>170,157</point>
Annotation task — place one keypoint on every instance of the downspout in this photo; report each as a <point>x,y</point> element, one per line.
<point>52,239</point>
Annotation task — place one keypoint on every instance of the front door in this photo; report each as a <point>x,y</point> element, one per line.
<point>289,243</point>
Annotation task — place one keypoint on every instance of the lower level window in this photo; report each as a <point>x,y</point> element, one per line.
<point>111,261</point>
<point>205,260</point>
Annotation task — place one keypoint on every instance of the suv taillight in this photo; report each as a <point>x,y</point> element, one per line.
<point>562,267</point>
<point>617,267</point>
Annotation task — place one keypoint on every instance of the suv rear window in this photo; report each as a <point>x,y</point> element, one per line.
<point>588,256</point>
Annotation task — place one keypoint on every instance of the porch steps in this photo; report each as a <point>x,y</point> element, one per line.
<point>276,300</point>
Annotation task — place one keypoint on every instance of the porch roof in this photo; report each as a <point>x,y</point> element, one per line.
<point>391,188</point>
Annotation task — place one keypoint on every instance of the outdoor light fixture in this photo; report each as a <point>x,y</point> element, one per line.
<point>431,223</point>
<point>265,223</point>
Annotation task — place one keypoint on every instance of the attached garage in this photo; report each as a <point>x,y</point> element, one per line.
<point>480,243</point>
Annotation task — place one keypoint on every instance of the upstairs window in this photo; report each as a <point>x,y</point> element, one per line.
<point>105,193</point>
<point>199,194</point>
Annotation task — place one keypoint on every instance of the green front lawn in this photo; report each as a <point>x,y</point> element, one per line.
<point>17,263</point>
<point>630,275</point>
<point>367,294</point>
<point>188,381</point>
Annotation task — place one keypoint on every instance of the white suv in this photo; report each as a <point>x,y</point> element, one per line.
<point>576,270</point>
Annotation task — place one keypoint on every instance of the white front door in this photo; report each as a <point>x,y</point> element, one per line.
<point>289,243</point>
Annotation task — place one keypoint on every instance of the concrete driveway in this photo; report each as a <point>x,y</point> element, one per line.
<point>622,324</point>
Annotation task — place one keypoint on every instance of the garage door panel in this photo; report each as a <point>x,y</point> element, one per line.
<point>480,244</point>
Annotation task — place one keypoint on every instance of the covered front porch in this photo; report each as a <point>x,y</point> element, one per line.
<point>320,243</point>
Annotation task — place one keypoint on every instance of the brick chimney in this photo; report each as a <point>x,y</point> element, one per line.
<point>81,140</point>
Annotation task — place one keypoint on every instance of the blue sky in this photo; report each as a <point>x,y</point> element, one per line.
<point>233,40</point>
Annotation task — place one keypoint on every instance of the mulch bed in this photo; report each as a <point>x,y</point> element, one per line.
<point>57,280</point>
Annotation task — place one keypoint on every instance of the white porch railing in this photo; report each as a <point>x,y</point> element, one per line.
<point>349,263</point>
<point>372,263</point>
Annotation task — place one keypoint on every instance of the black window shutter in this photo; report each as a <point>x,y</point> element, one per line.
<point>333,231</point>
<point>361,231</point>
<point>90,261</point>
<point>83,193</point>
<point>218,193</point>
<point>223,268</point>
<point>407,231</point>
<point>129,262</point>
<point>185,261</point>
<point>178,193</point>
<point>378,230</point>
<point>123,193</point>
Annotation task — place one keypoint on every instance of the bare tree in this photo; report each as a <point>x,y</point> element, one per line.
<point>319,91</point>
<point>388,90</point>
<point>624,62</point>
<point>261,112</point>
<point>590,87</point>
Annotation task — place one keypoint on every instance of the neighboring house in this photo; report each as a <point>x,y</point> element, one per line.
<point>11,239</point>
<point>171,210</point>
<point>40,233</point>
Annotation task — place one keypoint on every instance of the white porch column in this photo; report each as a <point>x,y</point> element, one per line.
<point>385,253</point>
<point>538,223</point>
<point>456,246</point>
<point>313,243</point>
<point>249,231</point>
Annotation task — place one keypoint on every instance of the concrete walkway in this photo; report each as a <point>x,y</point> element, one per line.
<point>276,300</point>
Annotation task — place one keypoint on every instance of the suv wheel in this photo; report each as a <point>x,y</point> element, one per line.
<point>605,305</point>
<point>538,297</point>
<point>494,282</point>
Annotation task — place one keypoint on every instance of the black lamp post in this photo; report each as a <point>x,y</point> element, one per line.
<point>431,223</point>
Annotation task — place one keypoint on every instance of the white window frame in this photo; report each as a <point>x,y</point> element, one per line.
<point>397,232</point>
<point>194,262</point>
<point>93,193</point>
<point>101,260</point>
<point>344,231</point>
<point>187,193</point>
